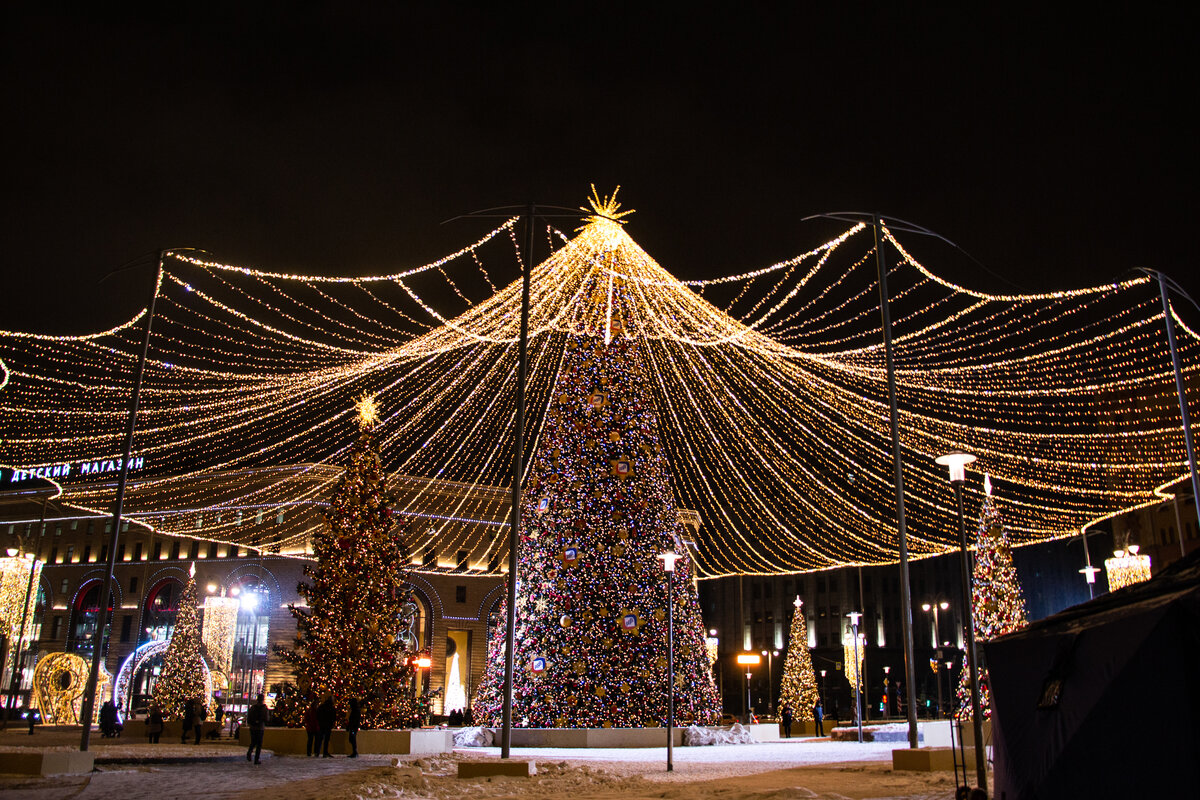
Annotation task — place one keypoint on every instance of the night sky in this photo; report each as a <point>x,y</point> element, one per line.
<point>1055,149</point>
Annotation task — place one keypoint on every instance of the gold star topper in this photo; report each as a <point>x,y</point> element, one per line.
<point>604,208</point>
<point>368,412</point>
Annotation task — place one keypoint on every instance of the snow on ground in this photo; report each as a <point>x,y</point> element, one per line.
<point>784,770</point>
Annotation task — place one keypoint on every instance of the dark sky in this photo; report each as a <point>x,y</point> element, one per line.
<point>1055,148</point>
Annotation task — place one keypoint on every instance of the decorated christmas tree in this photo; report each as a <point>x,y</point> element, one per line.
<point>596,513</point>
<point>996,598</point>
<point>348,641</point>
<point>799,685</point>
<point>183,670</point>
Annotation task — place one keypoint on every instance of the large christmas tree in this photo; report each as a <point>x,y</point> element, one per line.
<point>348,641</point>
<point>799,685</point>
<point>996,598</point>
<point>182,676</point>
<point>596,513</point>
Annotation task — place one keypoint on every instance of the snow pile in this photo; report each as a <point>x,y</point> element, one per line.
<point>474,737</point>
<point>695,736</point>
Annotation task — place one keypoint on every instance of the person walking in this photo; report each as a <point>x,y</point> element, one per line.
<point>198,722</point>
<point>353,720</point>
<point>326,717</point>
<point>256,720</point>
<point>189,720</point>
<point>818,716</point>
<point>154,724</point>
<point>313,729</point>
<point>785,716</point>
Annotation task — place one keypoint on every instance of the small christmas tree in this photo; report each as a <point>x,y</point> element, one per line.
<point>182,676</point>
<point>799,686</point>
<point>348,641</point>
<point>996,598</point>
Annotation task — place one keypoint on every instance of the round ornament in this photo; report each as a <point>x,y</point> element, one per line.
<point>565,621</point>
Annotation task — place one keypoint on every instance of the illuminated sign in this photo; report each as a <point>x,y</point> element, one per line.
<point>69,470</point>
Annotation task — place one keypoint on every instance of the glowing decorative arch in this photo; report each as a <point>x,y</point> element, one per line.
<point>59,681</point>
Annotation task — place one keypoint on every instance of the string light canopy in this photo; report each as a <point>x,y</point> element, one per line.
<point>770,387</point>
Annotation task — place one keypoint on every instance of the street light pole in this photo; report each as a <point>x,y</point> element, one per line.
<point>957,462</point>
<point>854,615</point>
<point>937,647</point>
<point>669,559</point>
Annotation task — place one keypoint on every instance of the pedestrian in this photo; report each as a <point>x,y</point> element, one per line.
<point>353,720</point>
<point>198,722</point>
<point>220,714</point>
<point>108,720</point>
<point>256,719</point>
<point>785,716</point>
<point>313,730</point>
<point>189,719</point>
<point>154,724</point>
<point>31,716</point>
<point>326,717</point>
<point>468,717</point>
<point>818,716</point>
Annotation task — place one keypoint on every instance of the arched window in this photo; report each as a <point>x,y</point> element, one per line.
<point>160,611</point>
<point>251,641</point>
<point>85,618</point>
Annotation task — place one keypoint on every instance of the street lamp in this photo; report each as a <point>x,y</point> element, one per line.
<point>937,633</point>
<point>957,462</point>
<point>854,615</point>
<point>770,655</point>
<point>748,660</point>
<point>669,558</point>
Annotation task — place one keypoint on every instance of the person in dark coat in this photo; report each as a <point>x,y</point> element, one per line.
<point>154,724</point>
<point>108,719</point>
<point>313,729</point>
<point>326,717</point>
<point>256,720</point>
<point>785,716</point>
<point>189,720</point>
<point>198,722</point>
<point>353,721</point>
<point>818,716</point>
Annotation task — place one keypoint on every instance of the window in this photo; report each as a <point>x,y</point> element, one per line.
<point>65,584</point>
<point>175,549</point>
<point>122,553</point>
<point>820,584</point>
<point>137,551</point>
<point>460,559</point>
<point>53,555</point>
<point>460,594</point>
<point>833,584</point>
<point>56,631</point>
<point>70,554</point>
<point>194,551</point>
<point>212,549</point>
<point>158,551</point>
<point>126,627</point>
<point>58,530</point>
<point>87,553</point>
<point>160,611</point>
<point>104,553</point>
<point>133,585</point>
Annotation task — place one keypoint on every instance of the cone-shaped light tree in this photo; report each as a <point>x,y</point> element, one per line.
<point>799,685</point>
<point>183,670</point>
<point>996,598</point>
<point>348,641</point>
<point>596,512</point>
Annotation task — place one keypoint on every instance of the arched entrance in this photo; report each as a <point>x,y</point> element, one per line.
<point>85,619</point>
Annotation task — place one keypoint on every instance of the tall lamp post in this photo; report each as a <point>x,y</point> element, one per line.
<point>937,635</point>
<point>669,558</point>
<point>957,462</point>
<point>854,615</point>
<point>770,656</point>
<point>748,660</point>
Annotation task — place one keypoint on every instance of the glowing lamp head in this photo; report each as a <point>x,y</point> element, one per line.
<point>1133,549</point>
<point>424,662</point>
<point>854,616</point>
<point>669,560</point>
<point>249,601</point>
<point>943,605</point>
<point>712,631</point>
<point>749,659</point>
<point>12,552</point>
<point>925,606</point>
<point>957,462</point>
